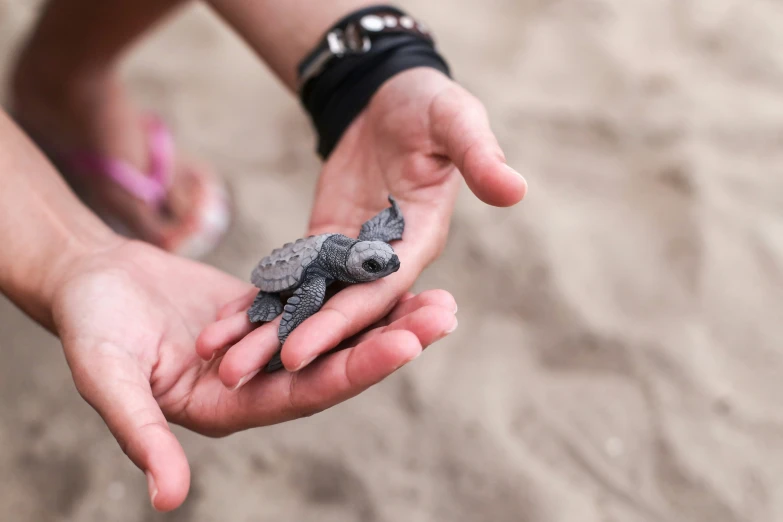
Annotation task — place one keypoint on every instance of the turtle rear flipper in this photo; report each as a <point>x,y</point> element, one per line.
<point>265,308</point>
<point>274,364</point>
<point>386,226</point>
<point>306,300</point>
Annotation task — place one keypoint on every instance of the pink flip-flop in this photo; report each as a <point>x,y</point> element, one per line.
<point>200,234</point>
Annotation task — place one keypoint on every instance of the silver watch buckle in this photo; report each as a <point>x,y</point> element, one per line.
<point>353,40</point>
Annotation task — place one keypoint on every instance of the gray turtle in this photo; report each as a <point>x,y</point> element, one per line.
<point>301,271</point>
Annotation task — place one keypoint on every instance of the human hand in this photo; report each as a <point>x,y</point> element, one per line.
<point>129,317</point>
<point>417,134</point>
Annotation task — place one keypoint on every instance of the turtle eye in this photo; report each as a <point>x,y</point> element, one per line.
<point>371,265</point>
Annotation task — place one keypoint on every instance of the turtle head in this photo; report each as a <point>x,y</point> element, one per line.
<point>371,260</point>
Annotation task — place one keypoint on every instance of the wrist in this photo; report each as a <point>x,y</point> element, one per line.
<point>411,86</point>
<point>359,54</point>
<point>33,284</point>
<point>77,252</point>
<point>45,230</point>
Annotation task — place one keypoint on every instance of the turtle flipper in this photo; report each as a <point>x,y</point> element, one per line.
<point>306,300</point>
<point>386,226</point>
<point>274,364</point>
<point>265,308</point>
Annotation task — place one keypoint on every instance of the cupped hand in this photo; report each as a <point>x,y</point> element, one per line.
<point>419,132</point>
<point>129,318</point>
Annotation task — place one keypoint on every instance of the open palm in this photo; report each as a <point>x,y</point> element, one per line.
<point>419,132</point>
<point>129,320</point>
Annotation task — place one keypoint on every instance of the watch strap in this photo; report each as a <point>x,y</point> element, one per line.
<point>355,34</point>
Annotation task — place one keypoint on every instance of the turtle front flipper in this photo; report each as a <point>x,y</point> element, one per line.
<point>306,300</point>
<point>386,226</point>
<point>265,308</point>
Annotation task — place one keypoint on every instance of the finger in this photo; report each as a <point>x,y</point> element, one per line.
<point>244,359</point>
<point>218,336</point>
<point>238,304</point>
<point>328,382</point>
<point>113,384</point>
<point>347,313</point>
<point>407,296</point>
<point>428,323</point>
<point>345,374</point>
<point>408,305</point>
<point>461,130</point>
<point>436,297</point>
<point>250,355</point>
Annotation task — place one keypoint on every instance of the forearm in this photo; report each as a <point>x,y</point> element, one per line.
<point>283,32</point>
<point>44,229</point>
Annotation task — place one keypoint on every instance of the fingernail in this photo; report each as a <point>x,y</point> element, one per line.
<point>244,379</point>
<point>450,330</point>
<point>409,360</point>
<point>456,309</point>
<point>514,171</point>
<point>447,332</point>
<point>153,489</point>
<point>306,362</point>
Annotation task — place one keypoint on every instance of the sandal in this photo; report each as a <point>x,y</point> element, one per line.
<point>193,235</point>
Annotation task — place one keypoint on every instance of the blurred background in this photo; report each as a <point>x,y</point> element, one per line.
<point>620,350</point>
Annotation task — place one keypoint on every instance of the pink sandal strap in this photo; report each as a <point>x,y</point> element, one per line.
<point>161,151</point>
<point>152,187</point>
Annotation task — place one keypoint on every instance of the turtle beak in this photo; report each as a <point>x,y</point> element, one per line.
<point>394,263</point>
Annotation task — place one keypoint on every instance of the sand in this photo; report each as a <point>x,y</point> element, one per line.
<point>619,356</point>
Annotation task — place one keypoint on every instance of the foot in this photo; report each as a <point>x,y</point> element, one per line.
<point>93,112</point>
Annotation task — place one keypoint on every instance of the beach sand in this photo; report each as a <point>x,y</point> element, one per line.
<point>620,350</point>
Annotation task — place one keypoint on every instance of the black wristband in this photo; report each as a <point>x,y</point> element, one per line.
<point>343,89</point>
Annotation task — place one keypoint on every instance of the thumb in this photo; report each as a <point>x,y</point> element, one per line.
<point>112,382</point>
<point>460,129</point>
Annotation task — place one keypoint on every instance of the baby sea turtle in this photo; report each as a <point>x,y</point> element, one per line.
<point>301,271</point>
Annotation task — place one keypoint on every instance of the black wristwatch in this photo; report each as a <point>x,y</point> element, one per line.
<point>354,35</point>
<point>355,57</point>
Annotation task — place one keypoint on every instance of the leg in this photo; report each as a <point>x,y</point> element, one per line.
<point>66,73</point>
<point>306,301</point>
<point>265,308</point>
<point>67,95</point>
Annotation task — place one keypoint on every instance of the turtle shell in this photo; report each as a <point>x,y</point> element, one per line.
<point>282,269</point>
